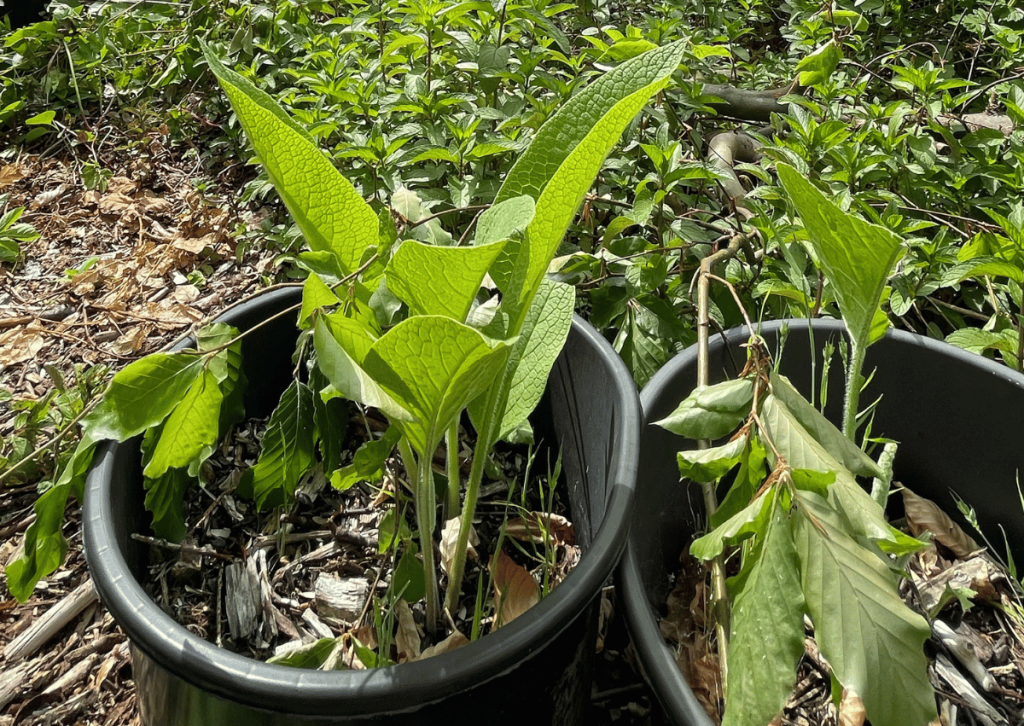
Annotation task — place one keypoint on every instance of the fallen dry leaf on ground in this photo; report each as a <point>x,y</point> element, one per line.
<point>851,709</point>
<point>925,515</point>
<point>534,525</point>
<point>449,539</point>
<point>515,590</point>
<point>20,344</point>
<point>452,642</point>
<point>408,637</point>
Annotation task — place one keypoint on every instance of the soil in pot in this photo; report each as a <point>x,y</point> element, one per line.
<point>277,584</point>
<point>928,392</point>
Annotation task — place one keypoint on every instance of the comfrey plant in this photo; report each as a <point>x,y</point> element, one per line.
<point>421,373</point>
<point>813,542</point>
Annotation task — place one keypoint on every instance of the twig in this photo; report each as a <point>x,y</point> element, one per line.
<point>183,548</point>
<point>45,627</point>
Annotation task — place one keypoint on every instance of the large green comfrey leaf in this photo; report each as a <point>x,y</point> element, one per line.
<point>873,641</point>
<point>323,203</point>
<point>505,219</point>
<point>856,256</point>
<point>434,366</point>
<point>767,628</point>
<point>439,280</point>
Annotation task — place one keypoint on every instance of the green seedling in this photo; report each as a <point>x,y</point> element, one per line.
<point>813,541</point>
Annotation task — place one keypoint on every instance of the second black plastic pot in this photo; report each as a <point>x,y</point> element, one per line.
<point>958,418</point>
<point>536,670</point>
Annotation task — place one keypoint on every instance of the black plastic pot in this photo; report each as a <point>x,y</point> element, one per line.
<point>957,416</point>
<point>536,670</point>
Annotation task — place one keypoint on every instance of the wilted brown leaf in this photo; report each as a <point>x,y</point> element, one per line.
<point>10,173</point>
<point>131,341</point>
<point>155,205</point>
<point>925,515</point>
<point>114,203</point>
<point>452,642</point>
<point>46,198</point>
<point>515,590</point>
<point>185,293</point>
<point>169,312</point>
<point>851,709</point>
<point>533,526</point>
<point>408,637</point>
<point>194,245</point>
<point>121,185</point>
<point>20,344</point>
<point>449,540</point>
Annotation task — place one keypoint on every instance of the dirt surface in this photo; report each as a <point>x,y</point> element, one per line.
<point>118,273</point>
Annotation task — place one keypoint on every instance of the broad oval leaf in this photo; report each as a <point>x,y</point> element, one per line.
<point>191,428</point>
<point>708,465</point>
<point>745,523</point>
<point>315,295</point>
<point>286,448</point>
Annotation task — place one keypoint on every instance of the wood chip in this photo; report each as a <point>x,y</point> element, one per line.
<point>341,599</point>
<point>242,598</point>
<point>47,626</point>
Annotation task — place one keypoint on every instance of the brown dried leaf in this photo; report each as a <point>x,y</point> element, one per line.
<point>194,245</point>
<point>131,341</point>
<point>170,312</point>
<point>925,515</point>
<point>114,203</point>
<point>9,174</point>
<point>121,185</point>
<point>408,637</point>
<point>46,198</point>
<point>18,345</point>
<point>155,205</point>
<point>186,293</point>
<point>452,642</point>
<point>515,590</point>
<point>532,527</point>
<point>851,709</point>
<point>449,540</point>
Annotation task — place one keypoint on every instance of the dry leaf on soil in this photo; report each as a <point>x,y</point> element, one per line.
<point>18,345</point>
<point>533,526</point>
<point>925,515</point>
<point>452,642</point>
<point>515,590</point>
<point>408,637</point>
<point>449,540</point>
<point>851,709</point>
<point>9,174</point>
<point>131,341</point>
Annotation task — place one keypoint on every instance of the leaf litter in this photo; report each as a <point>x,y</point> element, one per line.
<point>975,654</point>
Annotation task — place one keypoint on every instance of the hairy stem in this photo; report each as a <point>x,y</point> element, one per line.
<point>853,386</point>
<point>421,476</point>
<point>452,445</point>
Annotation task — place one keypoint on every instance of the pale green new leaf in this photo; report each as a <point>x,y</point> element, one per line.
<point>708,465</point>
<point>856,256</point>
<point>341,345</point>
<point>286,450</point>
<point>747,522</point>
<point>872,640</point>
<point>315,295</point>
<point>434,366</point>
<point>330,212</point>
<point>439,280</point>
<point>767,625</point>
<point>711,412</point>
<point>192,426</point>
<point>819,65</point>
<point>803,451</point>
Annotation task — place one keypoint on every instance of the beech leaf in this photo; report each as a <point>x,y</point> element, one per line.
<point>923,515</point>
<point>515,590</point>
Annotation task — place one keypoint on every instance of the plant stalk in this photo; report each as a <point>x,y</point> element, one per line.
<point>719,592</point>
<point>452,445</point>
<point>422,479</point>
<point>853,386</point>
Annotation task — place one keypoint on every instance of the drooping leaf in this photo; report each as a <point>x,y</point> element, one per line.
<point>315,295</point>
<point>873,641</point>
<point>803,451</point>
<point>286,450</point>
<point>767,629</point>
<point>330,416</point>
<point>819,65</point>
<point>711,412</point>
<point>165,500</point>
<point>856,256</point>
<point>439,280</point>
<point>368,461</point>
<point>748,480</point>
<point>515,590</point>
<point>341,345</point>
<point>191,428</point>
<point>924,515</point>
<point>323,203</point>
<point>434,366</point>
<point>708,465</point>
<point>749,521</point>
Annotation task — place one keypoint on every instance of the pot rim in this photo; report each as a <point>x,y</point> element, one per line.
<point>393,689</point>
<point>656,658</point>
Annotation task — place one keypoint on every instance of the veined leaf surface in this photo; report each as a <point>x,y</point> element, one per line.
<point>435,366</point>
<point>323,203</point>
<point>191,427</point>
<point>286,449</point>
<point>873,641</point>
<point>856,256</point>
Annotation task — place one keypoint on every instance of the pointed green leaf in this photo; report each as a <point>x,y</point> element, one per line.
<point>286,451</point>
<point>767,638</point>
<point>435,366</point>
<point>505,219</point>
<point>747,522</point>
<point>408,577</point>
<point>165,500</point>
<point>748,480</point>
<point>821,429</point>
<point>142,395</point>
<point>535,351</point>
<point>732,396</point>
<point>819,65</point>
<point>708,465</point>
<point>873,641</point>
<point>330,416</point>
<point>341,344</point>
<point>439,280</point>
<point>803,451</point>
<point>191,427</point>
<point>368,461</point>
<point>980,267</point>
<point>323,203</point>
<point>856,256</point>
<point>310,655</point>
<point>315,295</point>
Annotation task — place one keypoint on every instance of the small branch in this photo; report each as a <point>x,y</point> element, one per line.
<point>724,152</point>
<point>182,548</point>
